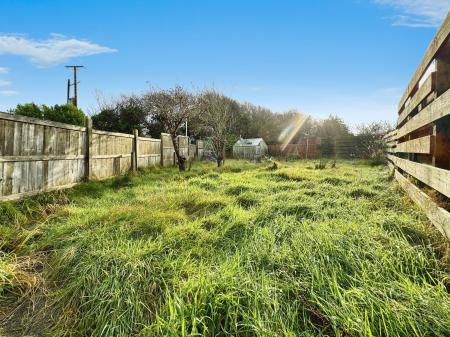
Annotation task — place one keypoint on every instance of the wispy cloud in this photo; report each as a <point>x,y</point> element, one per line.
<point>4,83</point>
<point>52,51</point>
<point>8,92</point>
<point>418,13</point>
<point>3,70</point>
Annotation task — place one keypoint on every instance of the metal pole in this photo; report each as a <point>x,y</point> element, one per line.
<point>307,145</point>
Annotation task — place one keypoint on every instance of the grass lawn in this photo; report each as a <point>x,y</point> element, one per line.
<point>245,250</point>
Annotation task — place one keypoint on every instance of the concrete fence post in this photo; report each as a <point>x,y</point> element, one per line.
<point>196,150</point>
<point>88,149</point>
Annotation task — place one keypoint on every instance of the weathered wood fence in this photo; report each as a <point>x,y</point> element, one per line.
<point>38,155</point>
<point>420,145</point>
<point>349,147</point>
<point>307,148</point>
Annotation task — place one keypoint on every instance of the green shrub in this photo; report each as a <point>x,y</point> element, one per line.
<point>378,158</point>
<point>29,110</point>
<point>321,165</point>
<point>292,157</point>
<point>66,113</point>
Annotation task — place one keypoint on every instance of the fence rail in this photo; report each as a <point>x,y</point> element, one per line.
<point>37,155</point>
<point>420,146</point>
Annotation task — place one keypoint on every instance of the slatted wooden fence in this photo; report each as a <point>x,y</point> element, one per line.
<point>38,155</point>
<point>305,148</point>
<point>349,147</point>
<point>420,145</point>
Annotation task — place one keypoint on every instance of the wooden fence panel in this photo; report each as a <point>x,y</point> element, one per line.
<point>437,215</point>
<point>434,177</point>
<point>438,109</point>
<point>38,155</point>
<point>423,133</point>
<point>111,154</point>
<point>167,151</point>
<point>149,152</point>
<point>437,42</point>
<point>423,92</point>
<point>304,149</point>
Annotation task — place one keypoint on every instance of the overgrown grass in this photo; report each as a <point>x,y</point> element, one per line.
<point>244,250</point>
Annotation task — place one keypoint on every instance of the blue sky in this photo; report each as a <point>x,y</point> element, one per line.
<point>348,57</point>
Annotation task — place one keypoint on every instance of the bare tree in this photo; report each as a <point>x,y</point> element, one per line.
<point>171,108</point>
<point>215,121</point>
<point>371,136</point>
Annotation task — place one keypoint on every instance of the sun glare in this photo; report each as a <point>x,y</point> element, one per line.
<point>292,130</point>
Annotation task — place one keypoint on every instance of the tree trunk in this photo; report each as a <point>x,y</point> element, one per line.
<point>180,159</point>
<point>221,157</point>
<point>219,161</point>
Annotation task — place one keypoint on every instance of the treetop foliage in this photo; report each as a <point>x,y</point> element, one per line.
<point>163,110</point>
<point>66,113</point>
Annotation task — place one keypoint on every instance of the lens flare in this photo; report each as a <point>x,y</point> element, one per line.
<point>292,130</point>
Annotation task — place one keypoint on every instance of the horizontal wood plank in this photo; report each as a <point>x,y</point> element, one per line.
<point>149,155</point>
<point>419,96</point>
<point>115,134</point>
<point>111,156</point>
<point>144,139</point>
<point>439,108</point>
<point>391,166</point>
<point>391,134</point>
<point>437,178</point>
<point>438,216</point>
<point>438,40</point>
<point>418,145</point>
<point>40,158</point>
<point>390,150</point>
<point>391,143</point>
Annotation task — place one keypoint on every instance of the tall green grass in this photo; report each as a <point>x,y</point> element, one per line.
<point>243,250</point>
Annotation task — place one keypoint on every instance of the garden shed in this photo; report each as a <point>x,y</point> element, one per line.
<point>252,149</point>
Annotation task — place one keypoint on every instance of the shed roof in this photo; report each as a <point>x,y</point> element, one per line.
<point>249,142</point>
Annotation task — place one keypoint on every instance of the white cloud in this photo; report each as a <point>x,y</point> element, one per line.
<point>418,13</point>
<point>8,92</point>
<point>4,83</point>
<point>3,70</point>
<point>53,51</point>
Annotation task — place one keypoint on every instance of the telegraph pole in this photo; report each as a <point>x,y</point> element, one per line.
<point>75,98</point>
<point>68,90</point>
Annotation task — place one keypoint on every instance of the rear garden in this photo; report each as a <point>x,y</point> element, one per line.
<point>286,249</point>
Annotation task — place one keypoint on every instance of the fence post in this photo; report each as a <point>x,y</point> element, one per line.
<point>162,149</point>
<point>179,150</point>
<point>134,155</point>
<point>88,158</point>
